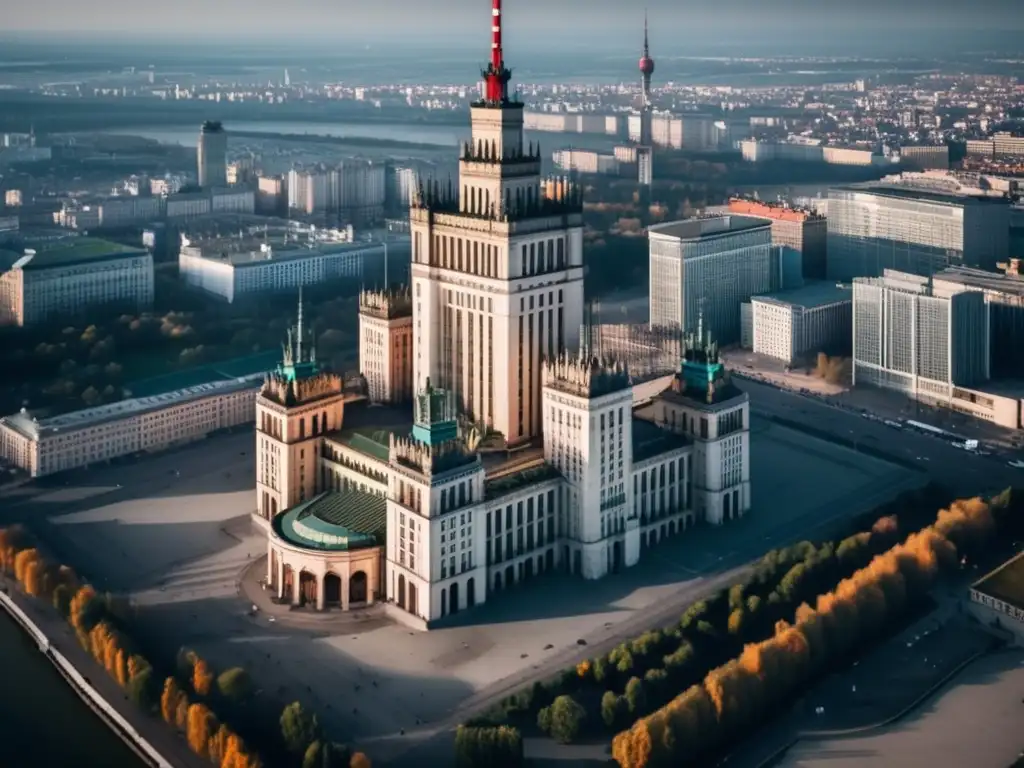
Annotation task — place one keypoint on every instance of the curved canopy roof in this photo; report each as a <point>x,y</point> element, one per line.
<point>335,521</point>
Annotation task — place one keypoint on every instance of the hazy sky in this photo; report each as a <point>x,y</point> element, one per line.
<point>375,20</point>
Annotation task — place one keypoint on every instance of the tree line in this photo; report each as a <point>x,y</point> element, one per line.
<point>99,622</point>
<point>209,709</point>
<point>607,693</point>
<point>743,691</point>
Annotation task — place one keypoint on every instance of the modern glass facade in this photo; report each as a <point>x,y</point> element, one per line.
<point>908,339</point>
<point>871,229</point>
<point>710,266</point>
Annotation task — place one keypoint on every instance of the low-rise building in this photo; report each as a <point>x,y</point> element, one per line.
<point>796,324</point>
<point>231,267</point>
<point>64,277</point>
<point>925,157</point>
<point>998,597</point>
<point>72,440</point>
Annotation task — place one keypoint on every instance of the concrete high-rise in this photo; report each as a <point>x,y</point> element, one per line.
<point>711,264</point>
<point>907,338</point>
<point>497,267</point>
<point>804,231</point>
<point>874,227</point>
<point>212,155</point>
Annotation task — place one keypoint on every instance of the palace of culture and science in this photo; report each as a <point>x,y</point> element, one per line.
<point>524,454</point>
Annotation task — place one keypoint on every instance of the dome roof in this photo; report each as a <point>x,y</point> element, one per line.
<point>334,521</point>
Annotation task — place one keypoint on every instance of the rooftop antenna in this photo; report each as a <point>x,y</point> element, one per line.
<point>298,330</point>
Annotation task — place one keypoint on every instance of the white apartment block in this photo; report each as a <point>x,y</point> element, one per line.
<point>231,267</point>
<point>78,439</point>
<point>792,326</point>
<point>69,276</point>
<point>353,189</point>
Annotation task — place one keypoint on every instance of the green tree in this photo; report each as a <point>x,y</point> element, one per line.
<point>326,754</point>
<point>636,696</point>
<point>613,709</point>
<point>235,685</point>
<point>299,728</point>
<point>488,747</point>
<point>62,599</point>
<point>567,719</point>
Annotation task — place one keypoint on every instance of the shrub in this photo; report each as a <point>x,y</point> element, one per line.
<point>235,685</point>
<point>299,728</point>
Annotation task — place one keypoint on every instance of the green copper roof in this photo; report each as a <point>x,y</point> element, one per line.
<point>334,521</point>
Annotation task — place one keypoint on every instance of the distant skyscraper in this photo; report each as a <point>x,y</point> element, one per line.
<point>874,227</point>
<point>213,155</point>
<point>287,79</point>
<point>497,267</point>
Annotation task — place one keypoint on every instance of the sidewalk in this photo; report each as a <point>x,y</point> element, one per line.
<point>166,740</point>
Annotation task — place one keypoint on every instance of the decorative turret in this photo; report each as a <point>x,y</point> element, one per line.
<point>702,376</point>
<point>435,416</point>
<point>298,378</point>
<point>585,375</point>
<point>386,304</point>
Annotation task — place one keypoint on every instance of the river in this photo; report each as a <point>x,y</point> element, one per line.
<point>188,135</point>
<point>43,722</point>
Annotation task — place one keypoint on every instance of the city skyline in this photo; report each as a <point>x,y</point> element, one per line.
<point>460,19</point>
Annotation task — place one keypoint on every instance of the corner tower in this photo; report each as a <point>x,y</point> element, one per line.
<point>497,266</point>
<point>298,404</point>
<point>588,415</point>
<point>707,407</point>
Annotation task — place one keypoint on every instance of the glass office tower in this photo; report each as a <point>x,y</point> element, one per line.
<point>709,266</point>
<point>908,339</point>
<point>872,228</point>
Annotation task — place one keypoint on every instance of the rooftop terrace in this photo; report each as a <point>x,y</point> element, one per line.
<point>916,193</point>
<point>72,251</point>
<point>255,250</point>
<point>814,294</point>
<point>708,226</point>
<point>90,417</point>
<point>649,440</point>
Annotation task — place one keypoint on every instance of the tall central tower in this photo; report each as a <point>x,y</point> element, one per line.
<point>497,266</point>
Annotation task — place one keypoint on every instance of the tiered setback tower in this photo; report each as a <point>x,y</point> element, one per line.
<point>497,267</point>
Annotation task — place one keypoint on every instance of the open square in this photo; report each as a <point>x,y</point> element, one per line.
<point>175,531</point>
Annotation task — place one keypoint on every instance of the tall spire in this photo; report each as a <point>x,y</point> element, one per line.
<point>298,332</point>
<point>496,76</point>
<point>647,49</point>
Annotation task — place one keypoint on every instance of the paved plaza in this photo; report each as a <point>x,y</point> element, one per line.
<point>175,531</point>
<point>973,721</point>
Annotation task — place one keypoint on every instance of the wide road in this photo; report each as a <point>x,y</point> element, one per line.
<point>962,471</point>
